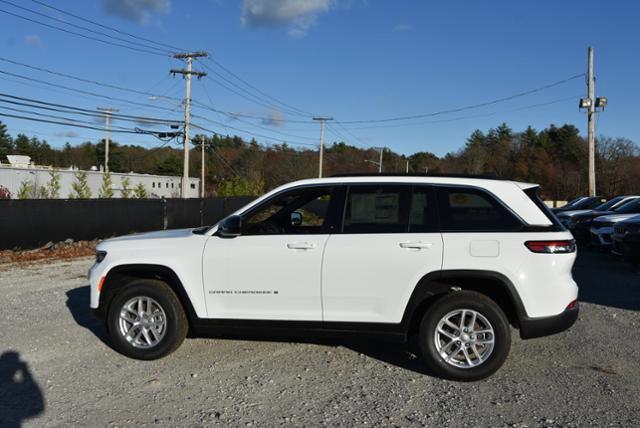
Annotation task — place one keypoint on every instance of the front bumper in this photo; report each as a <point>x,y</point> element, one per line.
<point>627,246</point>
<point>545,326</point>
<point>601,236</point>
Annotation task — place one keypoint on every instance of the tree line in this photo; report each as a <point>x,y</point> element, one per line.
<point>554,157</point>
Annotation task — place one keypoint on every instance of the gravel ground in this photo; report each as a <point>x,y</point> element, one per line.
<point>56,369</point>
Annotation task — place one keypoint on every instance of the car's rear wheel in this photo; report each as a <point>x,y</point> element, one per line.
<point>464,336</point>
<point>146,320</point>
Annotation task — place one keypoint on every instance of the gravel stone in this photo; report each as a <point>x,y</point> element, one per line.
<point>587,376</point>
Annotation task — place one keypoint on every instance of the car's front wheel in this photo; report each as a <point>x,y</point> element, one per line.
<point>146,320</point>
<point>464,336</point>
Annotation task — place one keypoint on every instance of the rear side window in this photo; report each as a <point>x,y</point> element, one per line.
<point>377,209</point>
<point>465,209</point>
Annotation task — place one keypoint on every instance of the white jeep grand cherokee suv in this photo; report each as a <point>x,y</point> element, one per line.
<point>450,262</point>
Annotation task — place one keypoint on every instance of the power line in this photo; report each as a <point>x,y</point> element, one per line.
<point>63,107</point>
<point>456,119</point>
<point>90,30</point>
<point>136,91</point>
<point>94,94</point>
<point>106,27</point>
<point>247,94</point>
<point>52,116</point>
<point>55,27</point>
<point>302,112</point>
<point>469,107</point>
<point>253,134</point>
<point>164,45</point>
<point>81,79</point>
<point>266,137</point>
<point>64,123</point>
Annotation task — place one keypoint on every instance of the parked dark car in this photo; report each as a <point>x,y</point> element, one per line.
<point>582,203</point>
<point>626,239</point>
<point>579,222</point>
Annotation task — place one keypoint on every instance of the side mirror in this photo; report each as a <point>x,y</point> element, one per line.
<point>230,227</point>
<point>296,218</point>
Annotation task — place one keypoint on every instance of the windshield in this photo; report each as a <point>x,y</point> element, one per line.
<point>588,203</point>
<point>573,202</point>
<point>609,204</point>
<point>630,207</point>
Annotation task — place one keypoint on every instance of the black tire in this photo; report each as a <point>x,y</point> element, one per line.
<point>176,321</point>
<point>456,301</point>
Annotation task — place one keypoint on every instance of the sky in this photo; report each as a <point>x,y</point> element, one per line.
<point>357,61</point>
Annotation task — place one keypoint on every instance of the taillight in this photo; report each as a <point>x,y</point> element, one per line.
<point>572,305</point>
<point>552,247</point>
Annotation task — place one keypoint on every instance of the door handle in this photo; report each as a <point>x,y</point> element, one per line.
<point>301,245</point>
<point>416,245</point>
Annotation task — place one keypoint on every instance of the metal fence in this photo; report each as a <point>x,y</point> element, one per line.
<point>32,223</point>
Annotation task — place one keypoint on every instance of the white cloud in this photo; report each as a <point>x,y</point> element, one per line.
<point>33,40</point>
<point>274,118</point>
<point>403,27</point>
<point>138,11</point>
<point>297,15</point>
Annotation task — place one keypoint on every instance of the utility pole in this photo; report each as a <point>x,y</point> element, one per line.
<point>379,163</point>
<point>322,122</point>
<point>407,170</point>
<point>202,171</point>
<point>107,114</point>
<point>187,109</point>
<point>591,114</point>
<point>591,103</point>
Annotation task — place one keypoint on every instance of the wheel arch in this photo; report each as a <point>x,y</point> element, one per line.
<point>434,285</point>
<point>119,276</point>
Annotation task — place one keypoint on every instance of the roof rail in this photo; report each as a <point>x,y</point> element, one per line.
<point>488,176</point>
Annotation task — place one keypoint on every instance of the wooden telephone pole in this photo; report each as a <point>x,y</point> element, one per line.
<point>320,160</point>
<point>592,103</point>
<point>187,109</point>
<point>107,114</point>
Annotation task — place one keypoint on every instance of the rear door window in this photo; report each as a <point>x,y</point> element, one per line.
<point>377,209</point>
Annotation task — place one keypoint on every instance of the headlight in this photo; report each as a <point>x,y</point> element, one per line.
<point>100,255</point>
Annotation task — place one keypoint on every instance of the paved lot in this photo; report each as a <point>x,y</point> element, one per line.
<point>55,369</point>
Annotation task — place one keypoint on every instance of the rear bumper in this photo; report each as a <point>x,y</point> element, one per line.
<point>545,326</point>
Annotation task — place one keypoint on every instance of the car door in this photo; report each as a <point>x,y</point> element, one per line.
<point>387,242</point>
<point>272,270</point>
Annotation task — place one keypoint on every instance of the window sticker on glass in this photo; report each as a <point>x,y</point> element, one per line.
<point>467,200</point>
<point>375,207</point>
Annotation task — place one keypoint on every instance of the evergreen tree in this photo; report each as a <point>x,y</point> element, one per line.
<point>140,192</point>
<point>53,188</point>
<point>6,144</point>
<point>106,191</point>
<point>80,187</point>
<point>126,188</point>
<point>239,186</point>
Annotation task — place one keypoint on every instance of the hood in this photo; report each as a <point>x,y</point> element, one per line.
<point>592,213</point>
<point>161,234</point>
<point>571,213</point>
<point>614,218</point>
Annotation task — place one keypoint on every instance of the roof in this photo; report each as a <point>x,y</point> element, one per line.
<point>506,190</point>
<point>453,179</point>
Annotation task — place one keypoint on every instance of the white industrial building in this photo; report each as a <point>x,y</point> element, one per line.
<point>19,169</point>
